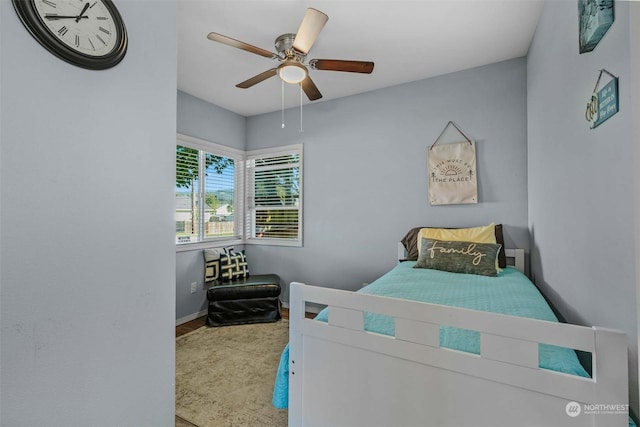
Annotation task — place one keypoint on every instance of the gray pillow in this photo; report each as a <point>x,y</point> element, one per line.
<point>459,257</point>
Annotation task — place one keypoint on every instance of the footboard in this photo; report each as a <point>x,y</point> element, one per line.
<point>342,375</point>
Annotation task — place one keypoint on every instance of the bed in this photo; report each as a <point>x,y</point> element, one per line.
<point>424,347</point>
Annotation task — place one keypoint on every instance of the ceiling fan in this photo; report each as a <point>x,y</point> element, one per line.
<point>292,53</point>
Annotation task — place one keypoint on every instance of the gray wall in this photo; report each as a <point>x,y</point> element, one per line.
<point>581,188</point>
<point>203,120</point>
<point>208,122</point>
<point>634,24</point>
<point>87,229</point>
<point>365,177</point>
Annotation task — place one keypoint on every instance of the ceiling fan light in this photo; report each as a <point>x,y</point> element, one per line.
<point>292,72</point>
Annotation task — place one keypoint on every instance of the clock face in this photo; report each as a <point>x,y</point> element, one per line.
<point>86,33</point>
<point>86,26</point>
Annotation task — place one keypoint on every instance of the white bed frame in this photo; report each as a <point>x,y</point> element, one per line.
<point>341,375</point>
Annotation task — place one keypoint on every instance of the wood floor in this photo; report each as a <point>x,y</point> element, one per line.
<point>192,325</point>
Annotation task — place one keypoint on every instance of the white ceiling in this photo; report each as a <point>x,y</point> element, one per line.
<point>407,40</point>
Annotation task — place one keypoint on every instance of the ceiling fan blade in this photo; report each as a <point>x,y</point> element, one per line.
<point>340,65</point>
<point>240,45</point>
<point>257,79</point>
<point>312,23</point>
<point>310,88</point>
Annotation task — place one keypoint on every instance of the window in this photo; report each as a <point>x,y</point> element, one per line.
<point>208,191</point>
<point>211,193</point>
<point>274,196</point>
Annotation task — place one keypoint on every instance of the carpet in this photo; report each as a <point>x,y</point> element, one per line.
<point>225,375</point>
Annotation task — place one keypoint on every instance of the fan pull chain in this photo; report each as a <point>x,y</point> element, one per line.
<point>282,103</point>
<point>301,130</point>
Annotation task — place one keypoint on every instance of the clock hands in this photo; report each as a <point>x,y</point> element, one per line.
<point>52,17</point>
<point>56,17</point>
<point>84,9</point>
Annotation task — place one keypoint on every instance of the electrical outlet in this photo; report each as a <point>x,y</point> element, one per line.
<point>194,287</point>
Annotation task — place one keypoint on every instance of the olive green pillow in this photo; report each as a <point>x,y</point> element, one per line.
<point>410,243</point>
<point>459,257</point>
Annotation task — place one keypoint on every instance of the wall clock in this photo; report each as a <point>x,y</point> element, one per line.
<point>87,33</point>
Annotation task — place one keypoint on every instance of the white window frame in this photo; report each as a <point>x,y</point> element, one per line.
<point>249,208</point>
<point>239,194</point>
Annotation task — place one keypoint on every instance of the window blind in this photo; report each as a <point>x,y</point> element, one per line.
<point>274,208</point>
<point>207,190</point>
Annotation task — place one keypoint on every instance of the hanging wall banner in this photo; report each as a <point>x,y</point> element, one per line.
<point>603,103</point>
<point>452,173</point>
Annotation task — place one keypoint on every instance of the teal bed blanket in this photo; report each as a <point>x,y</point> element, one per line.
<point>511,292</point>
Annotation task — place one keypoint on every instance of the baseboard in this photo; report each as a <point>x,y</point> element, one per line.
<point>190,317</point>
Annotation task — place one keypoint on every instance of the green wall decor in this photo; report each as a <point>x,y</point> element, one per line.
<point>603,103</point>
<point>595,19</point>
